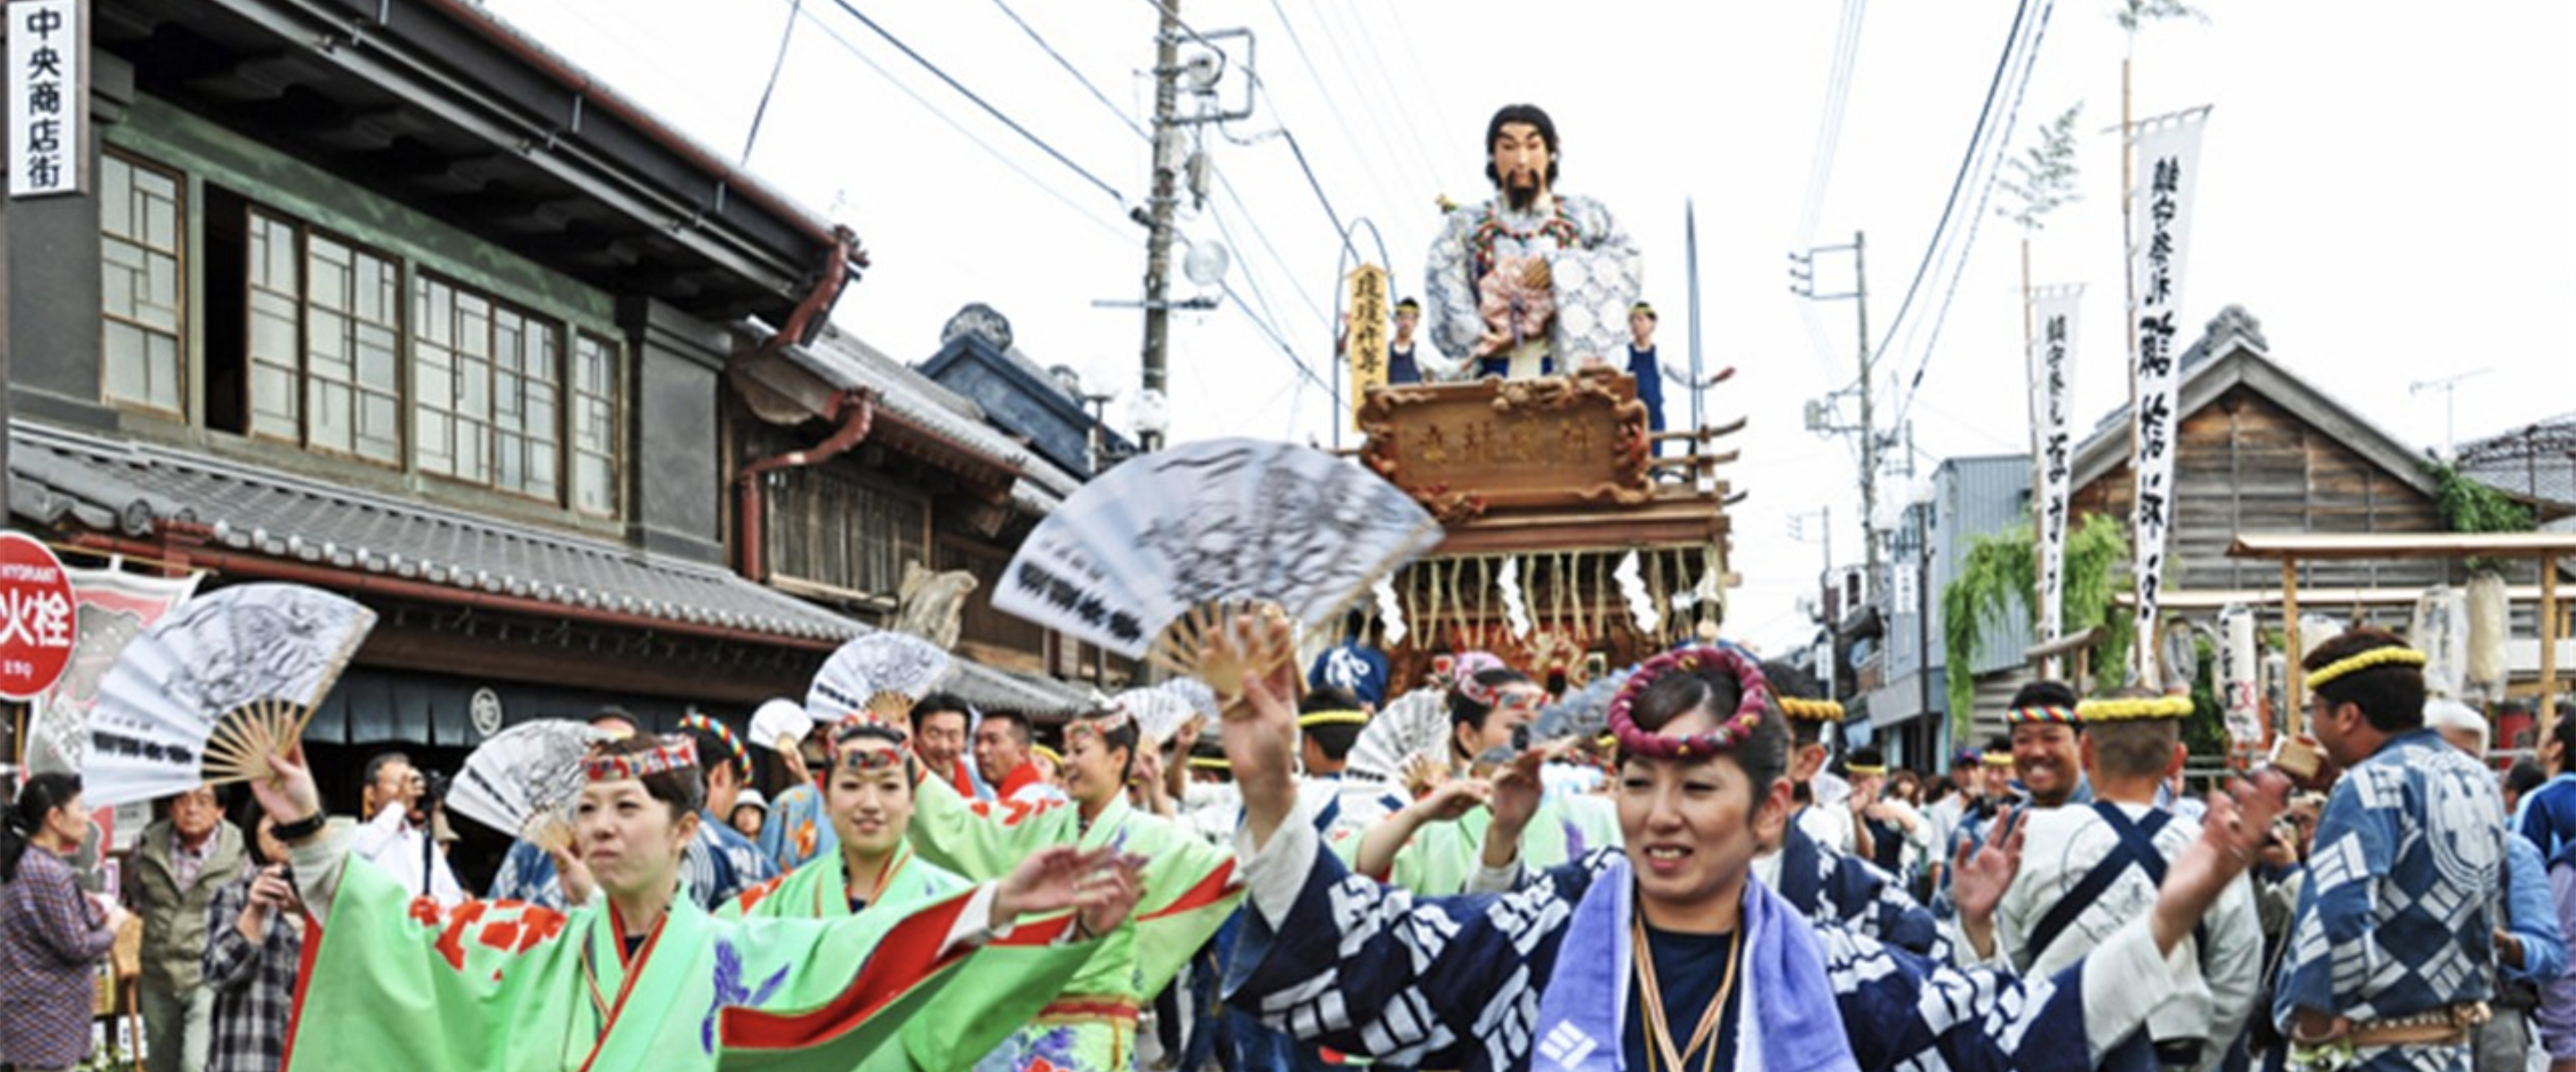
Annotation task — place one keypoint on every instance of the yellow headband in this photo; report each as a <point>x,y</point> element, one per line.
<point>1046,753</point>
<point>1210,763</point>
<point>2375,657</point>
<point>1811,710</point>
<point>1866,770</point>
<point>1997,759</point>
<point>1332,718</point>
<point>2122,710</point>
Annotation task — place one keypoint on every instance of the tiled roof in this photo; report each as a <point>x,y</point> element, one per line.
<point>845,361</point>
<point>2536,461</point>
<point>990,689</point>
<point>62,478</point>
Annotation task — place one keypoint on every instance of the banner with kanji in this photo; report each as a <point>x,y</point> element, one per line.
<point>2168,173</point>
<point>1364,339</point>
<point>2052,386</point>
<point>110,608</point>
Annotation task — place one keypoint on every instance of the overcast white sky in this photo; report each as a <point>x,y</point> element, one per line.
<point>2388,189</point>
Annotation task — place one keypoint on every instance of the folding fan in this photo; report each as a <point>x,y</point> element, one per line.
<point>779,725</point>
<point>1416,724</point>
<point>523,780</point>
<point>1196,694</point>
<point>214,688</point>
<point>1583,714</point>
<point>1158,711</point>
<point>882,672</point>
<point>1155,559</point>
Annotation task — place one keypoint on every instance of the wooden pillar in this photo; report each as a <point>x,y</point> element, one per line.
<point>2290,639</point>
<point>2548,640</point>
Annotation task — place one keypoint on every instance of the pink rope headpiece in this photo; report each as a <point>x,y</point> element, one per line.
<point>1755,700</point>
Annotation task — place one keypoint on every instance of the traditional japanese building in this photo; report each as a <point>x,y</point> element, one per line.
<point>387,299</point>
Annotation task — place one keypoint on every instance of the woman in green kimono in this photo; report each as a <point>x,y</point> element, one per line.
<point>869,802</point>
<point>1189,890</point>
<point>639,977</point>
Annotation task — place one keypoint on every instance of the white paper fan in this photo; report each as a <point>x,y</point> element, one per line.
<point>1134,561</point>
<point>1195,693</point>
<point>1583,713</point>
<point>1416,724</point>
<point>523,776</point>
<point>780,720</point>
<point>875,669</point>
<point>1158,711</point>
<point>214,688</point>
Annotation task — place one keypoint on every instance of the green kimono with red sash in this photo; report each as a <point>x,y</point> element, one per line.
<point>389,983</point>
<point>818,889</point>
<point>1190,890</point>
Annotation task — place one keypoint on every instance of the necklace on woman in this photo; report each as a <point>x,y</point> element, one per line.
<point>1659,1032</point>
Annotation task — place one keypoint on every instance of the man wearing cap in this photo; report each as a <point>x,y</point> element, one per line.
<point>2088,869</point>
<point>1968,790</point>
<point>1400,364</point>
<point>2392,954</point>
<point>750,814</point>
<point>1528,282</point>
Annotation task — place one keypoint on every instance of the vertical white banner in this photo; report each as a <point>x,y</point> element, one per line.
<point>2052,387</point>
<point>2168,174</point>
<point>48,96</point>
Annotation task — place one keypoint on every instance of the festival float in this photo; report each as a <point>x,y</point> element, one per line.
<point>1567,544</point>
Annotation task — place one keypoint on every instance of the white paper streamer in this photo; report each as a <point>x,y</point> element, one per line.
<point>1641,603</point>
<point>1515,608</point>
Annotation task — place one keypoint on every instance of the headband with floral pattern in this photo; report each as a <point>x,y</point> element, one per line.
<point>673,754</point>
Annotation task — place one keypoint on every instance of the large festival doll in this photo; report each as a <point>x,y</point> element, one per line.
<point>638,976</point>
<point>1529,281</point>
<point>1189,890</point>
<point>1667,955</point>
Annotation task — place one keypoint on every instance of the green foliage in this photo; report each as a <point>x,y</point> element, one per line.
<point>2136,13</point>
<point>2469,506</point>
<point>2044,174</point>
<point>2001,572</point>
<point>2205,732</point>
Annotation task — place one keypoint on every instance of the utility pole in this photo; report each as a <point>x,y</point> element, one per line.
<point>1158,240</point>
<point>1803,283</point>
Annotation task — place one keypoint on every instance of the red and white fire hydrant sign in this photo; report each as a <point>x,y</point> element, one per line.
<point>36,626</point>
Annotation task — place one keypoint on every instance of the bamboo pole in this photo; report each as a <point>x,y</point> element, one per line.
<point>2142,646</point>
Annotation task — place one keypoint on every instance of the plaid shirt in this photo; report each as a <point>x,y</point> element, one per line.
<point>254,985</point>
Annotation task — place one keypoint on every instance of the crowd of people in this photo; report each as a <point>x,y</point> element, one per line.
<point>1694,876</point>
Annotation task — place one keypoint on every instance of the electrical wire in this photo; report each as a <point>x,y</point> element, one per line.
<point>761,111</point>
<point>978,100</point>
<point>1297,43</point>
<point>1054,190</point>
<point>1976,219</point>
<point>1394,119</point>
<point>1829,122</point>
<point>1958,181</point>
<point>1070,69</point>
